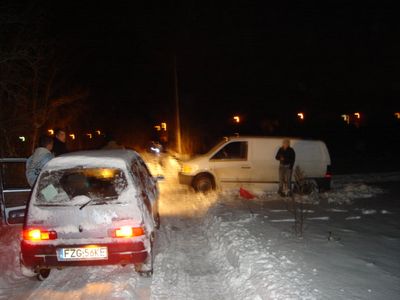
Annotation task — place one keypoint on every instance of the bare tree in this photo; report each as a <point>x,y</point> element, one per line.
<point>33,78</point>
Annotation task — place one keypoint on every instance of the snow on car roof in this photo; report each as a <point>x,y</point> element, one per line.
<point>93,158</point>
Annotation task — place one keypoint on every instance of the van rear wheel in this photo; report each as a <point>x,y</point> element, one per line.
<point>203,183</point>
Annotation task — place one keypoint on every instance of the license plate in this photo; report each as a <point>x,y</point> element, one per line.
<point>84,253</point>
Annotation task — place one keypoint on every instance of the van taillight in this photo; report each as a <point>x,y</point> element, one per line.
<point>39,235</point>
<point>328,173</point>
<point>127,231</point>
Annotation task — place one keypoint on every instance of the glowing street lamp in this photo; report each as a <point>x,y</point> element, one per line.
<point>236,119</point>
<point>98,132</point>
<point>301,116</point>
<point>357,115</point>
<point>346,118</point>
<point>157,127</point>
<point>164,126</point>
<point>72,136</point>
<point>89,135</point>
<point>51,131</point>
<point>397,115</point>
<point>22,138</point>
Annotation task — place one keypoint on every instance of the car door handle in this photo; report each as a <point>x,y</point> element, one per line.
<point>245,167</point>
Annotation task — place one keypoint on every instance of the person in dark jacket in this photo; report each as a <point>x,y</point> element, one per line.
<point>39,159</point>
<point>286,157</point>
<point>59,142</point>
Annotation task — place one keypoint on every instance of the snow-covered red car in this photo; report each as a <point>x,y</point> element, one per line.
<point>91,208</point>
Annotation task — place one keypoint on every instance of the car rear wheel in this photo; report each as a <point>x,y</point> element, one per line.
<point>26,271</point>
<point>43,274</point>
<point>203,183</point>
<point>146,269</point>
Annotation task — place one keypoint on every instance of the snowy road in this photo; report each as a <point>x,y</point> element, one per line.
<point>221,247</point>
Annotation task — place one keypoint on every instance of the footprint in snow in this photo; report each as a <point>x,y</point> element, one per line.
<point>368,211</point>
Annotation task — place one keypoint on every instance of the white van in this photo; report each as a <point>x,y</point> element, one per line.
<point>247,161</point>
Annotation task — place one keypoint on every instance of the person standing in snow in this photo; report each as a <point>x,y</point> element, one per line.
<point>286,157</point>
<point>39,159</point>
<point>59,142</point>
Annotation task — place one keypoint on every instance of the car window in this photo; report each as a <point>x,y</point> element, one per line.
<point>13,175</point>
<point>232,151</point>
<point>141,172</point>
<point>63,186</point>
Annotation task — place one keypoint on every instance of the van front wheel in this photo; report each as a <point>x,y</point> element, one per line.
<point>203,183</point>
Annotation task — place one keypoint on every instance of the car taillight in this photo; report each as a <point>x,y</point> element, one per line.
<point>39,235</point>
<point>127,231</point>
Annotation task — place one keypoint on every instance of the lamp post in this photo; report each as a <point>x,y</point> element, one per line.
<point>178,119</point>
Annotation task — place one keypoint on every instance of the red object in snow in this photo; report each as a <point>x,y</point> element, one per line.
<point>246,194</point>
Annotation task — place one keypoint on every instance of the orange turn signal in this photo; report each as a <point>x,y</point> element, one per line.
<point>38,235</point>
<point>127,231</point>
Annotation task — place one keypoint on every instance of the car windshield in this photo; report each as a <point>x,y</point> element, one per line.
<point>77,186</point>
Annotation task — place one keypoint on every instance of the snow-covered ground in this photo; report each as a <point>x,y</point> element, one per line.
<point>220,246</point>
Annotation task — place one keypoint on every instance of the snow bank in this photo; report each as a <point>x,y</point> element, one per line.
<point>254,266</point>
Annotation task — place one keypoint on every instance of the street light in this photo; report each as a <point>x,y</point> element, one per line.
<point>50,131</point>
<point>301,115</point>
<point>397,115</point>
<point>236,119</point>
<point>72,136</point>
<point>357,115</point>
<point>346,118</point>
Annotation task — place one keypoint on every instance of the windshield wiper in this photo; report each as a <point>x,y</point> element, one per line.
<point>98,198</point>
<point>86,204</point>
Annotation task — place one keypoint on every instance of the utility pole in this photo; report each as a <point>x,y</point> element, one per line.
<point>178,118</point>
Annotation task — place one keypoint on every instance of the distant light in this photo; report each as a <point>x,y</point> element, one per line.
<point>98,132</point>
<point>346,118</point>
<point>236,119</point>
<point>164,126</point>
<point>154,149</point>
<point>22,138</point>
<point>357,115</point>
<point>301,115</point>
<point>72,136</point>
<point>50,131</point>
<point>89,135</point>
<point>397,115</point>
<point>157,127</point>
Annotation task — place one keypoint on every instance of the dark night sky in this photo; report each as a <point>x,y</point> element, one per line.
<point>232,57</point>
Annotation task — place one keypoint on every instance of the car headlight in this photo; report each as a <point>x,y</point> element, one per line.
<point>187,169</point>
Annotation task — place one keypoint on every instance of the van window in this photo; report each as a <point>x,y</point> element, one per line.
<point>234,151</point>
<point>62,186</point>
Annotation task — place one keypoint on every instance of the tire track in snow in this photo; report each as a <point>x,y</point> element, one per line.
<point>186,267</point>
<point>102,282</point>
